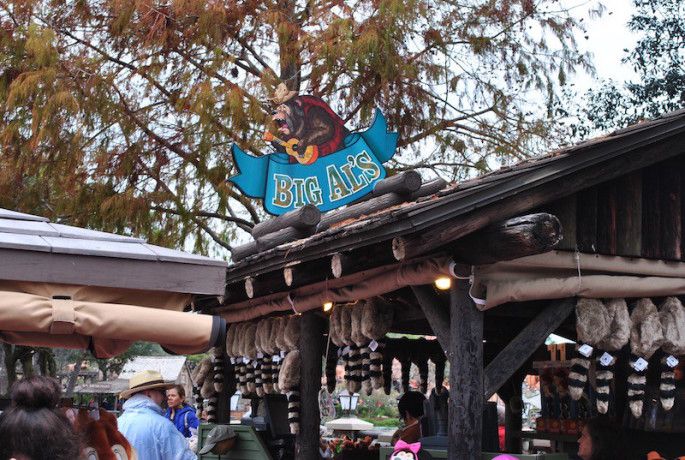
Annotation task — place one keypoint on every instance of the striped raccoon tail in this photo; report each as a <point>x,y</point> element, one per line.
<point>637,382</point>
<point>267,379</point>
<point>198,401</point>
<point>250,378</point>
<point>354,381</point>
<point>294,410</point>
<point>242,375</point>
<point>376,364</point>
<point>422,364</point>
<point>667,389</point>
<point>605,374</point>
<point>365,353</point>
<point>218,364</point>
<point>211,409</point>
<point>275,369</point>
<point>331,364</point>
<point>577,378</point>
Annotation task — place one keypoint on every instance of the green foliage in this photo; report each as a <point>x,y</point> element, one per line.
<point>119,115</point>
<point>659,61</point>
<point>115,365</point>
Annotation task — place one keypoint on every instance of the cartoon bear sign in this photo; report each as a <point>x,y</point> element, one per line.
<point>317,160</point>
<point>307,127</point>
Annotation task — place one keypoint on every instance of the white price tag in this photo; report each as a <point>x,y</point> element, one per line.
<point>606,359</point>
<point>640,365</point>
<point>260,355</point>
<point>672,361</point>
<point>373,345</point>
<point>232,360</point>
<point>282,354</point>
<point>585,350</point>
<point>276,358</point>
<point>346,350</point>
<point>246,360</point>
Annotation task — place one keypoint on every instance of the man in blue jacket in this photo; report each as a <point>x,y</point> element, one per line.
<point>152,435</point>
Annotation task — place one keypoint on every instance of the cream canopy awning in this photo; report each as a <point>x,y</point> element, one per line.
<point>67,287</point>
<point>561,274</point>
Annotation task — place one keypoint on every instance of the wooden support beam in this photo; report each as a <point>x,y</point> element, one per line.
<point>311,352</point>
<point>306,273</point>
<point>466,375</point>
<point>360,259</point>
<point>511,239</point>
<point>264,284</point>
<point>305,218</point>
<point>437,312</point>
<point>526,342</point>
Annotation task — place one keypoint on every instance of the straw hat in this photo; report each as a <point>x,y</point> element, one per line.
<point>145,380</point>
<point>282,94</point>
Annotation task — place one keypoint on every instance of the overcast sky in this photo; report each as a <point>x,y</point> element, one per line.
<point>607,37</point>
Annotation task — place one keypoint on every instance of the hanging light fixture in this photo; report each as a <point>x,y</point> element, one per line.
<point>327,306</point>
<point>443,283</point>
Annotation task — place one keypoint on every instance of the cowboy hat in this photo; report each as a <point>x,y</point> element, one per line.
<point>145,380</point>
<point>282,94</point>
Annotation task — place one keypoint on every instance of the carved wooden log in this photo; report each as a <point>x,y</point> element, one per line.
<point>361,259</point>
<point>265,284</point>
<point>403,183</point>
<point>305,218</point>
<point>306,273</point>
<point>511,239</point>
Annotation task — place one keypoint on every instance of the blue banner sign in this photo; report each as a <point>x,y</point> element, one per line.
<point>331,181</point>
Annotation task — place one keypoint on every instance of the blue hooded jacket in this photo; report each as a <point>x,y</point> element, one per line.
<point>184,419</point>
<point>153,436</point>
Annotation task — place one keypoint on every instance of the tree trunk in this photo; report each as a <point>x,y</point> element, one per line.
<point>73,376</point>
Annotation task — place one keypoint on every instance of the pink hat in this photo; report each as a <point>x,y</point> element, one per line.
<point>505,457</point>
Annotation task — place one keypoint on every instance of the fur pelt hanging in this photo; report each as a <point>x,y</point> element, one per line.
<point>388,357</point>
<point>646,336</point>
<point>250,350</point>
<point>218,368</point>
<point>269,350</point>
<point>377,319</point>
<point>331,365</point>
<point>198,377</point>
<point>672,319</point>
<point>289,383</point>
<point>351,356</point>
<point>291,335</point>
<point>362,342</point>
<point>259,359</point>
<point>277,331</point>
<point>617,338</point>
<point>592,325</point>
<point>422,365</point>
<point>439,359</point>
<point>239,354</point>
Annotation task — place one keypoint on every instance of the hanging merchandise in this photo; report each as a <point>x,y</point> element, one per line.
<point>439,359</point>
<point>198,377</point>
<point>592,325</point>
<point>239,354</point>
<point>351,355</point>
<point>672,319</point>
<point>362,343</point>
<point>218,368</point>
<point>262,367</point>
<point>278,334</point>
<point>646,336</point>
<point>250,353</point>
<point>377,319</point>
<point>617,338</point>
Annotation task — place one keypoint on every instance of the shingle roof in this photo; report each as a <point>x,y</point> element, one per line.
<point>52,247</point>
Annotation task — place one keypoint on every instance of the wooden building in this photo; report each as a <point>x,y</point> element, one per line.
<point>606,215</point>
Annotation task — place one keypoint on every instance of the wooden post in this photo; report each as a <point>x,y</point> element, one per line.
<point>466,375</point>
<point>311,352</point>
<point>513,422</point>
<point>436,312</point>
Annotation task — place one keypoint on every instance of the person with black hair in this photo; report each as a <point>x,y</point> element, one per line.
<point>33,428</point>
<point>601,439</point>
<point>410,407</point>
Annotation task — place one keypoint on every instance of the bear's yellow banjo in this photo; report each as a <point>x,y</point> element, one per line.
<point>309,156</point>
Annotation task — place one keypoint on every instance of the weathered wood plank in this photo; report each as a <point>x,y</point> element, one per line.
<point>511,239</point>
<point>406,182</point>
<point>607,218</point>
<point>651,213</point>
<point>361,258</point>
<point>311,353</point>
<point>670,202</point>
<point>586,220</point>
<point>466,376</point>
<point>436,310</point>
<point>524,344</point>
<point>629,214</point>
